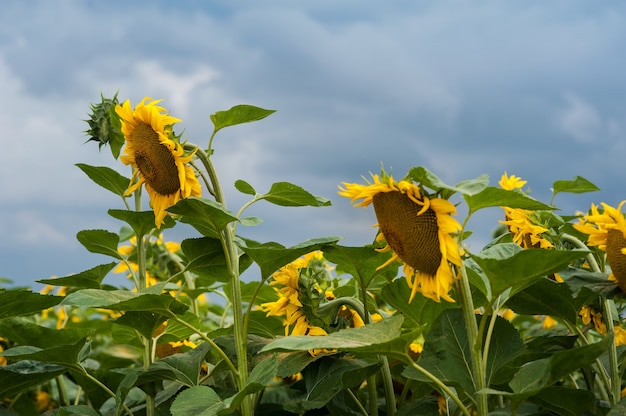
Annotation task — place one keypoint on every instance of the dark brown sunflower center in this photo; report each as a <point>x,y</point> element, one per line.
<point>155,161</point>
<point>414,238</point>
<point>614,243</point>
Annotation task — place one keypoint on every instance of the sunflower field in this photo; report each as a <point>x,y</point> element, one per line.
<point>414,323</point>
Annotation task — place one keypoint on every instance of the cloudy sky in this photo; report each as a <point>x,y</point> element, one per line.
<point>533,88</point>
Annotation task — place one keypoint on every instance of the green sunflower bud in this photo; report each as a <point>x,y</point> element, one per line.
<point>105,126</point>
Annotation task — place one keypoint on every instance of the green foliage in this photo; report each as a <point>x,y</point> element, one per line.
<point>316,327</point>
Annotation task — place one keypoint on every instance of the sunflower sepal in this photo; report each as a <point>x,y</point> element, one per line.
<point>105,126</point>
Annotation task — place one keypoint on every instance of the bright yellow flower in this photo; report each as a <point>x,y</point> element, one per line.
<point>158,160</point>
<point>3,360</point>
<point>416,228</point>
<point>521,223</point>
<point>607,231</point>
<point>286,281</point>
<point>548,322</point>
<point>585,315</point>
<point>620,335</point>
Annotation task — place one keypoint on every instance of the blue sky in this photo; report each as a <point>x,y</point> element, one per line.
<point>533,88</point>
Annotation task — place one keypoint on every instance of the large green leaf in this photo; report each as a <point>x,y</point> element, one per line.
<point>23,375</point>
<point>272,256</point>
<point>565,401</point>
<point>205,256</point>
<point>289,195</point>
<point>182,367</point>
<point>492,196</point>
<point>545,297</point>
<point>106,177</point>
<point>428,179</point>
<point>142,222</point>
<point>145,322</point>
<point>586,285</point>
<point>383,337</point>
<point>24,302</point>
<point>123,300</point>
<point>25,332</point>
<point>197,401</point>
<point>509,266</point>
<point>360,262</point>
<point>66,355</point>
<point>421,312</point>
<point>327,377</point>
<point>242,113</point>
<point>89,279</point>
<point>536,375</point>
<point>205,215</point>
<point>447,352</point>
<point>100,241</point>
<point>261,376</point>
<point>578,185</point>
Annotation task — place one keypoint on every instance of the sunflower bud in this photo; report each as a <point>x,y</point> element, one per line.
<point>105,126</point>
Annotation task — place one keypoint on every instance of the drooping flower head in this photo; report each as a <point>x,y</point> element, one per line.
<point>417,228</point>
<point>523,224</point>
<point>156,155</point>
<point>607,230</point>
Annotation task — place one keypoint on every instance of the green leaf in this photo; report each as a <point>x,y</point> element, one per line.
<point>289,195</point>
<point>206,216</point>
<point>205,256</point>
<point>66,355</point>
<point>428,179</point>
<point>565,401</point>
<point>143,321</point>
<point>327,377</point>
<point>587,285</point>
<point>507,265</point>
<point>78,410</point>
<point>142,222</point>
<point>91,279</point>
<point>536,375</point>
<point>24,302</point>
<point>383,337</point>
<point>545,297</point>
<point>237,115</point>
<point>244,187</point>
<point>124,300</point>
<point>272,256</point>
<point>619,409</point>
<point>360,262</point>
<point>197,401</point>
<point>578,185</point>
<point>492,196</point>
<point>22,376</point>
<point>106,177</point>
<point>447,352</point>
<point>182,367</point>
<point>23,331</point>
<point>100,242</point>
<point>261,376</point>
<point>421,312</point>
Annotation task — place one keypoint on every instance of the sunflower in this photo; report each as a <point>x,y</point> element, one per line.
<point>607,231</point>
<point>285,282</point>
<point>522,224</point>
<point>416,228</point>
<point>156,155</point>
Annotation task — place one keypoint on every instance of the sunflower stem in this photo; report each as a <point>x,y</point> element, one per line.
<point>475,341</point>
<point>227,238</point>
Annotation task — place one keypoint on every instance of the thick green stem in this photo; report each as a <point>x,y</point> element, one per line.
<point>475,341</point>
<point>227,239</point>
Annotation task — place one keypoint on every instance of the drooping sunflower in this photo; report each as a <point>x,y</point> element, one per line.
<point>416,228</point>
<point>607,231</point>
<point>156,155</point>
<point>522,224</point>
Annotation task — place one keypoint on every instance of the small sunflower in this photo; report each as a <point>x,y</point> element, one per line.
<point>522,224</point>
<point>156,155</point>
<point>607,231</point>
<point>417,228</point>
